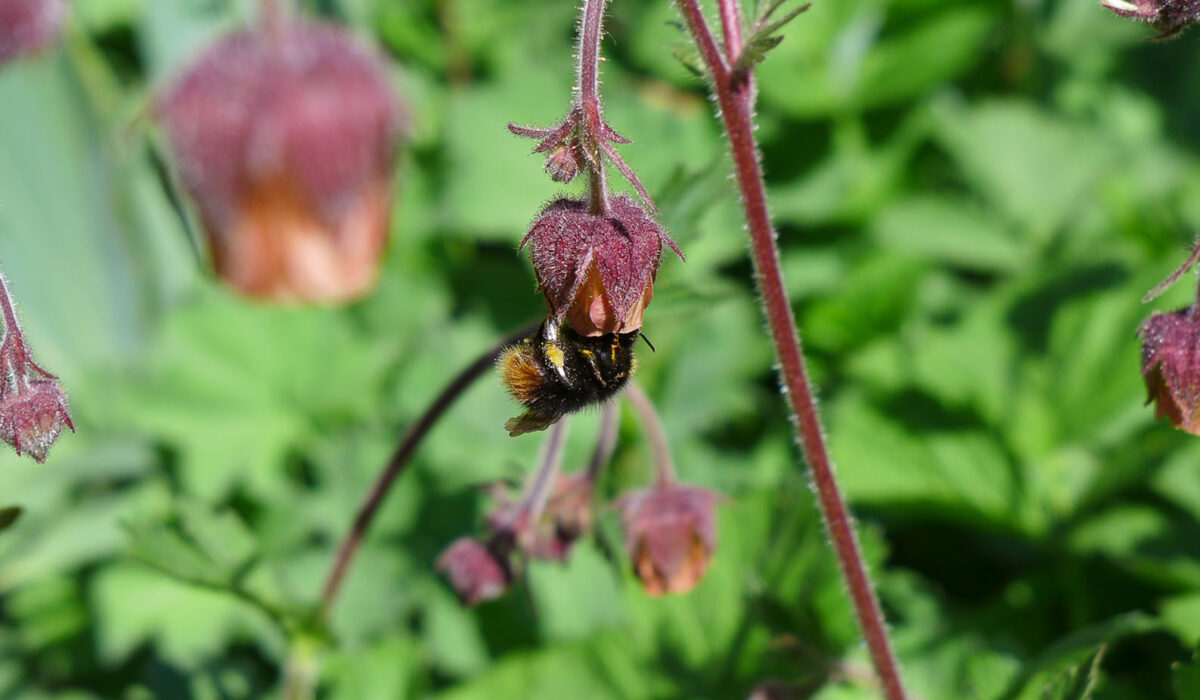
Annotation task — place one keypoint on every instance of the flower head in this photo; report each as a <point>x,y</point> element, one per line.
<point>1171,367</point>
<point>32,417</point>
<point>670,532</point>
<point>28,26</point>
<point>597,270</point>
<point>1169,17</point>
<point>284,137</point>
<point>477,571</point>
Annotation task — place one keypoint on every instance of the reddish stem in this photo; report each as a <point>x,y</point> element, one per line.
<point>735,100</point>
<point>13,356</point>
<point>400,459</point>
<point>664,466</point>
<point>538,493</point>
<point>606,443</point>
<point>731,27</point>
<point>588,99</point>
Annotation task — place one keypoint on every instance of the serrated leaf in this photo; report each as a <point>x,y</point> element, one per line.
<point>1076,683</point>
<point>763,38</point>
<point>690,60</point>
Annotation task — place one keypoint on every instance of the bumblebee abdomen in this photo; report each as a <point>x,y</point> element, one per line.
<point>557,372</point>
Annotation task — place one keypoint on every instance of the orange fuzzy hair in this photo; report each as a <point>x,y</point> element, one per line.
<point>520,372</point>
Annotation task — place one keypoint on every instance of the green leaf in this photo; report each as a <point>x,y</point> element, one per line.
<point>1186,678</point>
<point>1036,168</point>
<point>763,35</point>
<point>1078,650</point>
<point>1076,683</point>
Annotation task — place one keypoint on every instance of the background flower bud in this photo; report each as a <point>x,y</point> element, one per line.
<point>597,272</point>
<point>284,137</point>
<point>1171,367</point>
<point>475,571</point>
<point>28,26</point>
<point>670,532</point>
<point>1169,17</point>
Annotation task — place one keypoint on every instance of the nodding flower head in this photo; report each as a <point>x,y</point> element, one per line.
<point>1171,367</point>
<point>1169,17</point>
<point>477,571</point>
<point>32,416</point>
<point>284,137</point>
<point>670,532</point>
<point>28,26</point>
<point>597,270</point>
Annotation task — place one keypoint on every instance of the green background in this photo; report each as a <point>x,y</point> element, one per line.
<point>972,197</point>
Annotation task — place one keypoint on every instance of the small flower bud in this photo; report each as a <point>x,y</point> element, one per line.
<point>1169,17</point>
<point>568,516</point>
<point>284,137</point>
<point>32,417</point>
<point>563,163</point>
<point>597,271</point>
<point>670,532</point>
<point>28,26</point>
<point>475,570</point>
<point>1171,367</point>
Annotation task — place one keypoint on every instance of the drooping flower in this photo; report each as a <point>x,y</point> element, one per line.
<point>28,26</point>
<point>1169,17</point>
<point>1171,367</point>
<point>284,136</point>
<point>597,271</point>
<point>33,405</point>
<point>670,533</point>
<point>32,417</point>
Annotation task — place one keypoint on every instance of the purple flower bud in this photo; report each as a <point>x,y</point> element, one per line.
<point>563,162</point>
<point>1171,367</point>
<point>475,570</point>
<point>284,137</point>
<point>1169,17</point>
<point>597,272</point>
<point>670,532</point>
<point>568,516</point>
<point>32,416</point>
<point>28,26</point>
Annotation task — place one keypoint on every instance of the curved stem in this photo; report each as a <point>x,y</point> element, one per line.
<point>664,466</point>
<point>400,458</point>
<point>734,98</point>
<point>606,443</point>
<point>542,484</point>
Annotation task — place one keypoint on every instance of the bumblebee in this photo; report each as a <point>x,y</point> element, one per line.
<point>556,371</point>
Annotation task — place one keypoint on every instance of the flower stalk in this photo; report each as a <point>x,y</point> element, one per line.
<point>734,93</point>
<point>664,465</point>
<point>397,464</point>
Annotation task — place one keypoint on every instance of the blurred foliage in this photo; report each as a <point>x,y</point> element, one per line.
<point>972,197</point>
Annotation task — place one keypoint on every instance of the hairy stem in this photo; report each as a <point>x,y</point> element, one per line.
<point>400,459</point>
<point>664,466</point>
<point>734,95</point>
<point>731,28</point>
<point>588,98</point>
<point>12,349</point>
